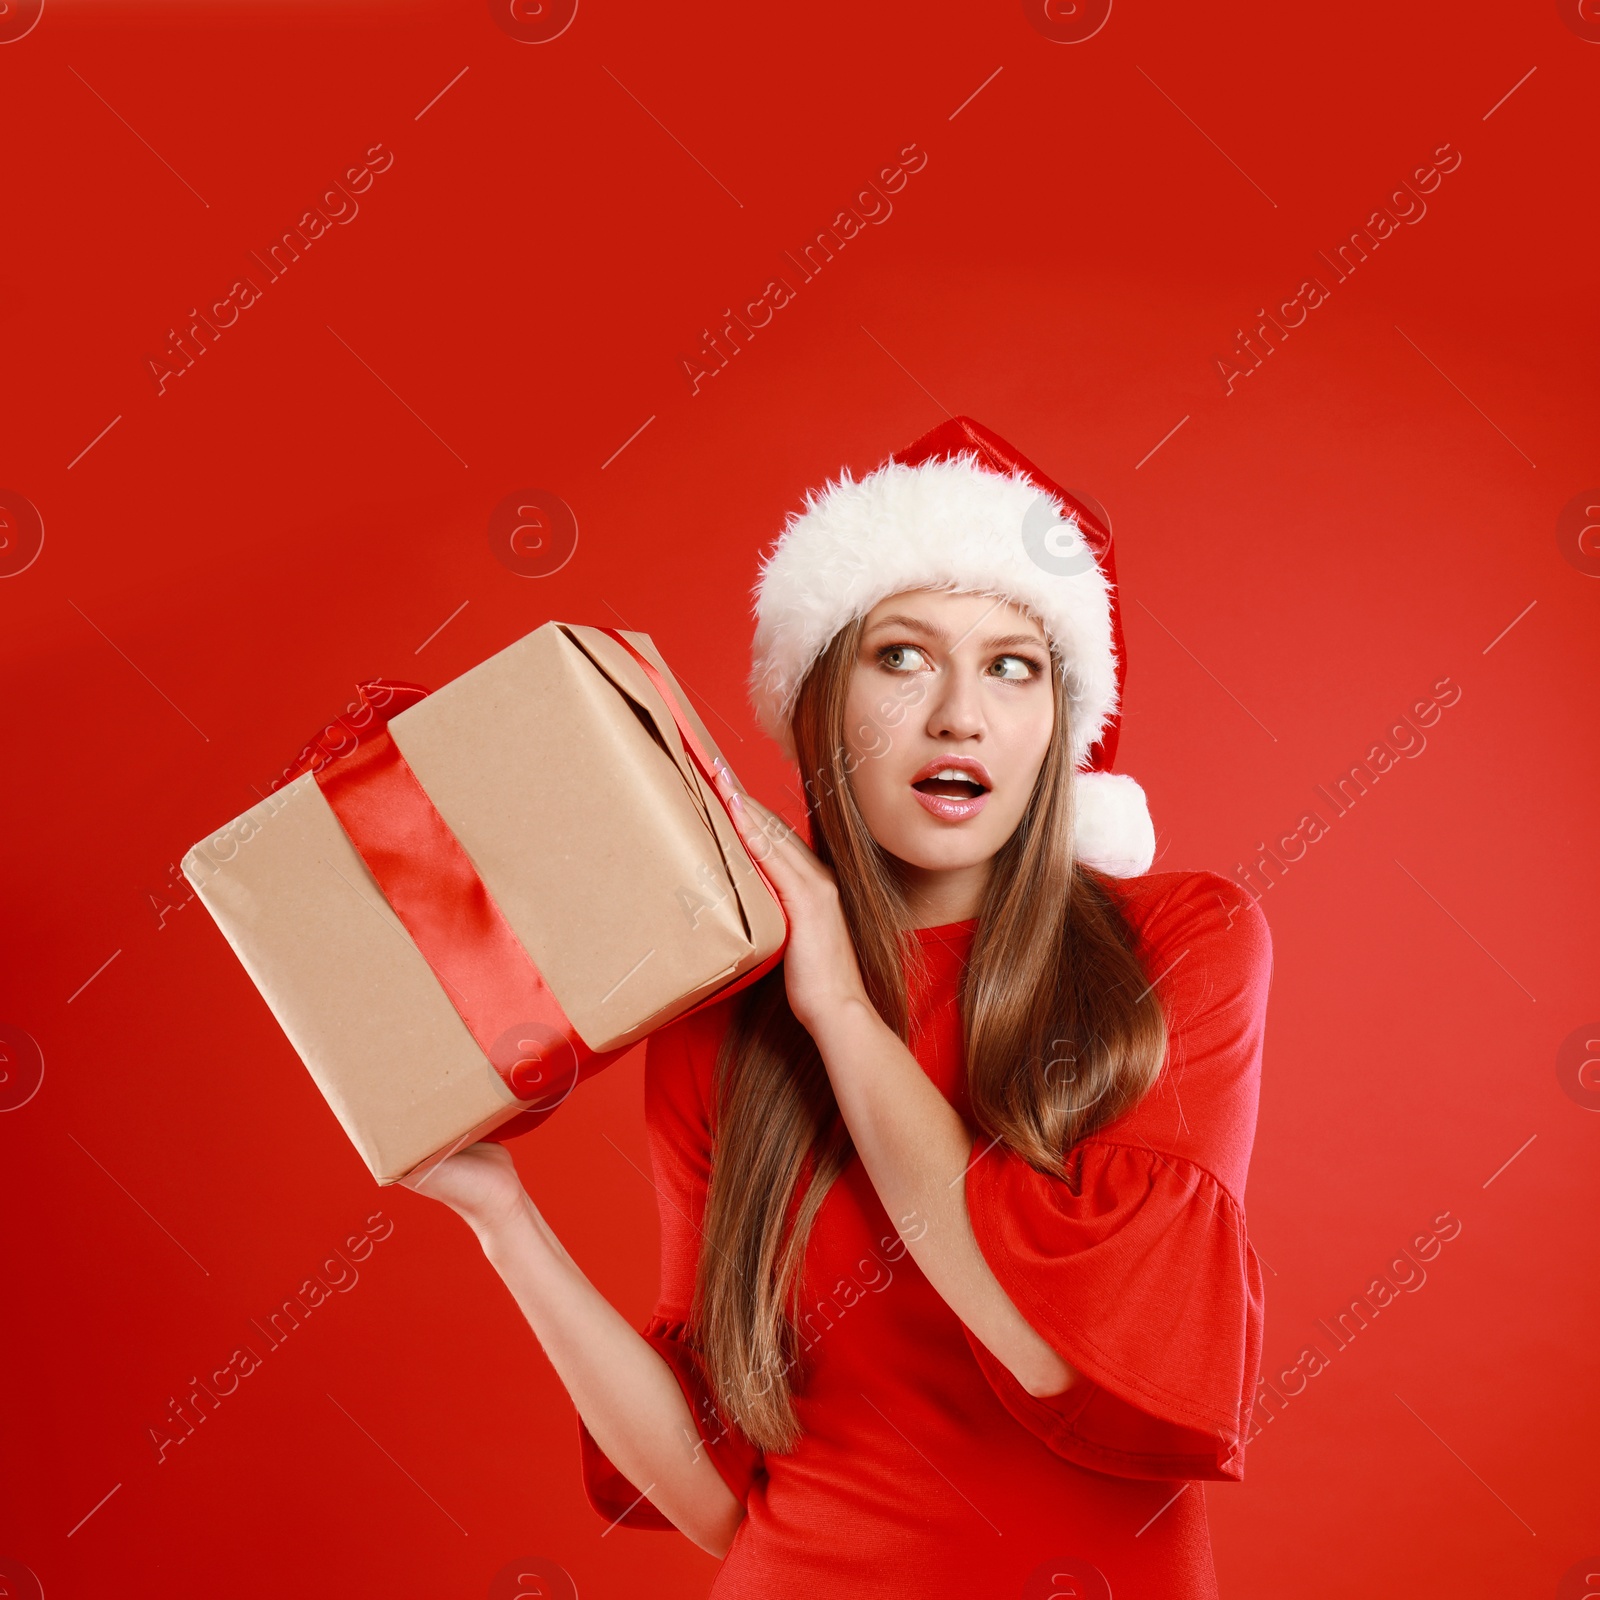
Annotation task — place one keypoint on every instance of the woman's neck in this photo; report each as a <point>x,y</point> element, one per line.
<point>935,898</point>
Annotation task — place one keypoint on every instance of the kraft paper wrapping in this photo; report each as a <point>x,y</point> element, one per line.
<point>563,776</point>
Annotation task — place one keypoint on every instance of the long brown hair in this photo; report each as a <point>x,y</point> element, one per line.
<point>1063,1034</point>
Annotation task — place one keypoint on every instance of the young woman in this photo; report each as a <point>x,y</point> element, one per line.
<point>956,1293</point>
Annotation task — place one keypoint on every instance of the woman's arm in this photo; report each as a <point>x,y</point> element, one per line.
<point>916,1150</point>
<point>624,1391</point>
<point>913,1144</point>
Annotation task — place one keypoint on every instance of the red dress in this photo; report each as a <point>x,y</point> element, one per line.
<point>925,1469</point>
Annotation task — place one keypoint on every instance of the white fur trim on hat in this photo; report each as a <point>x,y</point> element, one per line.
<point>943,524</point>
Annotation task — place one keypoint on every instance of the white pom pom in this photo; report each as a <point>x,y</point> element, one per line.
<point>1114,833</point>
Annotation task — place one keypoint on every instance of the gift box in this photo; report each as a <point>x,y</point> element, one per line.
<point>468,901</point>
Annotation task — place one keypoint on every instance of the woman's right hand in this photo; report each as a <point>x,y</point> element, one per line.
<point>480,1184</point>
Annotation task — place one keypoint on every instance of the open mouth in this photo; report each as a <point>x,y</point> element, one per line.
<point>951,785</point>
<point>952,790</point>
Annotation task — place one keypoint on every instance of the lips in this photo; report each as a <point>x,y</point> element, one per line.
<point>952,788</point>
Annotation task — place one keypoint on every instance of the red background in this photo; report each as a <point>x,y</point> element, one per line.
<point>306,506</point>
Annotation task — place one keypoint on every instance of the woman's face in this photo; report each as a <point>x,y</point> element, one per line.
<point>950,712</point>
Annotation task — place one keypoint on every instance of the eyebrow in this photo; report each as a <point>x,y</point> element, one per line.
<point>933,630</point>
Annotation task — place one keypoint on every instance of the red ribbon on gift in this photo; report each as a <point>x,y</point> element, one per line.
<point>429,880</point>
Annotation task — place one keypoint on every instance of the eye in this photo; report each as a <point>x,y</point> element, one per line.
<point>1017,669</point>
<point>902,658</point>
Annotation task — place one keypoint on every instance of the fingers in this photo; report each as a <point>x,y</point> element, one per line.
<point>779,850</point>
<point>772,842</point>
<point>761,830</point>
<point>770,825</point>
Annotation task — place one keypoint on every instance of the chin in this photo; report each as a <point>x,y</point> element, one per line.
<point>932,846</point>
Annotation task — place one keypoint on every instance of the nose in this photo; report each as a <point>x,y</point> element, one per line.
<point>956,708</point>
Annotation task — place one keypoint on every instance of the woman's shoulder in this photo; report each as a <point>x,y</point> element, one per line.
<point>1196,910</point>
<point>698,1033</point>
<point>1207,951</point>
<point>681,1064</point>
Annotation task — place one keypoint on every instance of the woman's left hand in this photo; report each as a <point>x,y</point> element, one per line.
<point>480,1184</point>
<point>819,965</point>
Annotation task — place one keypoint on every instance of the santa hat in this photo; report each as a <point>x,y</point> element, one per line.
<point>962,510</point>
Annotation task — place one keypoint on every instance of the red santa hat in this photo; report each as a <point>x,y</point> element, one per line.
<point>962,510</point>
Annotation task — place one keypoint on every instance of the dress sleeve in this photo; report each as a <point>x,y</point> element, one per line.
<point>679,1062</point>
<point>1136,1267</point>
